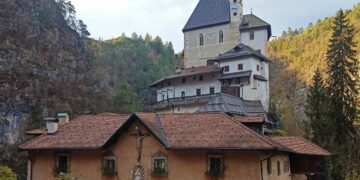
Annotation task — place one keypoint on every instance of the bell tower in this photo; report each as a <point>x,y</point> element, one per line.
<point>236,16</point>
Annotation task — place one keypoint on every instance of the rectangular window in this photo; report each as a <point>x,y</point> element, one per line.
<point>183,80</point>
<point>215,166</point>
<point>268,166</point>
<point>62,163</point>
<point>252,35</point>
<point>183,94</point>
<point>278,168</point>
<point>226,69</point>
<point>240,66</point>
<point>212,90</point>
<point>286,166</point>
<point>109,166</point>
<point>198,92</point>
<point>201,78</point>
<point>159,166</point>
<point>258,67</point>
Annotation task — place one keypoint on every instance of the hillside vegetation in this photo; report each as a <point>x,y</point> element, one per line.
<point>296,55</point>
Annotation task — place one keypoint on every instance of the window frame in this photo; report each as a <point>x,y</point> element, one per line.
<point>159,173</point>
<point>226,68</point>
<point>57,165</point>
<point>258,67</point>
<point>106,158</point>
<point>183,80</point>
<point>269,166</point>
<point>201,39</point>
<point>252,35</point>
<point>201,78</point>
<point>212,90</point>
<point>183,94</point>
<point>208,165</point>
<point>221,36</point>
<point>278,166</point>
<point>198,92</point>
<point>240,67</point>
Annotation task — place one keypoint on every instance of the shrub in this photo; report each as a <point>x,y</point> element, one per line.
<point>7,173</point>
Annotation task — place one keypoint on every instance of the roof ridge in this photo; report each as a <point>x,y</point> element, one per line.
<point>162,132</point>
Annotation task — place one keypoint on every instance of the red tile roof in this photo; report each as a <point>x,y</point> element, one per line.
<point>205,131</point>
<point>249,119</point>
<point>300,145</point>
<point>83,132</point>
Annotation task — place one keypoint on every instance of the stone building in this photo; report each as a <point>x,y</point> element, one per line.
<point>225,52</point>
<point>145,146</point>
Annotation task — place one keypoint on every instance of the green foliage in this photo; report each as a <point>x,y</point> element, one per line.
<point>126,101</point>
<point>36,118</point>
<point>82,30</point>
<point>7,174</point>
<point>108,171</point>
<point>317,109</point>
<point>280,132</point>
<point>65,176</point>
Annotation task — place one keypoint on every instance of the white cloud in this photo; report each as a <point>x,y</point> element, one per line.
<point>166,18</point>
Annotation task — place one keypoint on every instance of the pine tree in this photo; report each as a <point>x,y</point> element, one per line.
<point>82,29</point>
<point>343,78</point>
<point>316,109</point>
<point>343,94</point>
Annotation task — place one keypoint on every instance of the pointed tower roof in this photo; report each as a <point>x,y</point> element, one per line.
<point>209,13</point>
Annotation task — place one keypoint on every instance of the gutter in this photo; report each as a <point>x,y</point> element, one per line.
<point>261,164</point>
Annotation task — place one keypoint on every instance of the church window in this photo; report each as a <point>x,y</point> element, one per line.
<point>215,165</point>
<point>252,35</point>
<point>62,163</point>
<point>226,69</point>
<point>109,166</point>
<point>268,166</point>
<point>201,38</point>
<point>240,66</point>
<point>198,92</point>
<point>278,168</point>
<point>212,90</point>
<point>221,37</point>
<point>159,165</point>
<point>183,80</point>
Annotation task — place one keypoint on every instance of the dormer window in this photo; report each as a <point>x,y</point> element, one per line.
<point>221,37</point>
<point>201,39</point>
<point>252,35</point>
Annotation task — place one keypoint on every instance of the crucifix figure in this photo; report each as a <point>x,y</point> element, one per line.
<point>139,138</point>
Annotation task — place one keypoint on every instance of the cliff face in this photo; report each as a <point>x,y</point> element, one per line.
<point>41,59</point>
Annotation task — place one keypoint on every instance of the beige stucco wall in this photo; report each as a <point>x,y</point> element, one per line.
<point>274,174</point>
<point>184,164</point>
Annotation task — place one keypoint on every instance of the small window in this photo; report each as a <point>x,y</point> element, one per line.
<point>286,166</point>
<point>278,168</point>
<point>240,66</point>
<point>201,39</point>
<point>159,166</point>
<point>212,90</point>
<point>169,83</point>
<point>258,67</point>
<point>215,166</point>
<point>183,94</point>
<point>221,37</point>
<point>183,80</point>
<point>201,78</point>
<point>226,69</point>
<point>109,166</point>
<point>194,77</point>
<point>62,163</point>
<point>268,166</point>
<point>198,92</point>
<point>163,97</point>
<point>252,35</point>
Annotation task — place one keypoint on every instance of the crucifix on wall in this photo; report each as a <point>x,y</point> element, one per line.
<point>139,135</point>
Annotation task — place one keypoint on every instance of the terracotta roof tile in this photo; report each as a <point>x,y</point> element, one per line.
<point>208,131</point>
<point>300,145</point>
<point>83,132</point>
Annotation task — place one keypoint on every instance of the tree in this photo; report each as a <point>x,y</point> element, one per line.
<point>125,100</point>
<point>36,118</point>
<point>7,173</point>
<point>316,109</point>
<point>343,71</point>
<point>82,30</point>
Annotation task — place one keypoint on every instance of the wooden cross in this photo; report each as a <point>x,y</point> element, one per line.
<point>139,138</point>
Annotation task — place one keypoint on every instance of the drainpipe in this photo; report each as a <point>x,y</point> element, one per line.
<point>261,164</point>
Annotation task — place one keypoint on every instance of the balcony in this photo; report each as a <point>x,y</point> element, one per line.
<point>188,100</point>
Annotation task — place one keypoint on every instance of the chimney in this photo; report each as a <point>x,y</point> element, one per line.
<point>52,125</point>
<point>64,118</point>
<point>178,70</point>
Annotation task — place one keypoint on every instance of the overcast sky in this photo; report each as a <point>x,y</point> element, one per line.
<point>166,18</point>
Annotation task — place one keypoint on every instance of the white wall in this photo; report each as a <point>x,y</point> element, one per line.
<point>209,80</point>
<point>259,42</point>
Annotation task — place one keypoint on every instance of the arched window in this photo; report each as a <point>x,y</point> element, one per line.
<point>221,37</point>
<point>201,39</point>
